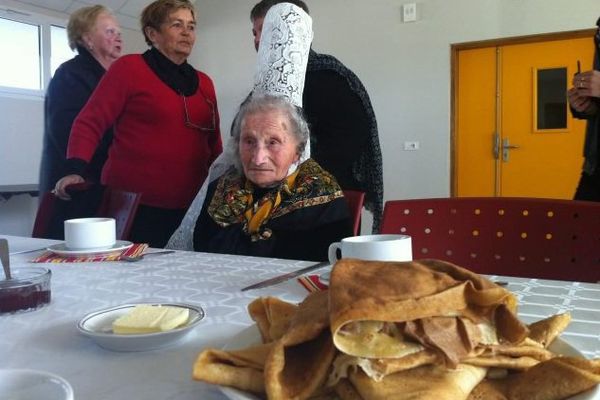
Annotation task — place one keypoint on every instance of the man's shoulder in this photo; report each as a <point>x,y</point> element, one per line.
<point>320,63</point>
<point>317,61</point>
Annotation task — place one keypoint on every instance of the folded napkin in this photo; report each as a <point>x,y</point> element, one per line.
<point>312,283</point>
<point>50,257</point>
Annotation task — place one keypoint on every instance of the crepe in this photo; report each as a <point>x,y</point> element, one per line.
<point>272,316</point>
<point>431,382</point>
<point>382,310</point>
<point>242,369</point>
<point>546,330</point>
<point>298,364</point>
<point>293,366</point>
<point>558,378</point>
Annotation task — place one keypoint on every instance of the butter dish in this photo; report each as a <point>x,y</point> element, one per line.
<point>98,326</point>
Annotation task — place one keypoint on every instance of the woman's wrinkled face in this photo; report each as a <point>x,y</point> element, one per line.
<point>176,36</point>
<point>104,39</point>
<point>267,147</point>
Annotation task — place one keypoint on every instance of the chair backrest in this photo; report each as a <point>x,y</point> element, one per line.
<point>121,206</point>
<point>44,216</point>
<point>105,202</point>
<point>355,201</point>
<point>538,238</point>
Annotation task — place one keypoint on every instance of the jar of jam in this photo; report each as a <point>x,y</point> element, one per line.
<point>28,289</point>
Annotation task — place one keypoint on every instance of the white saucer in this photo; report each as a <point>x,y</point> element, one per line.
<point>62,250</point>
<point>324,277</point>
<point>98,326</point>
<point>29,384</point>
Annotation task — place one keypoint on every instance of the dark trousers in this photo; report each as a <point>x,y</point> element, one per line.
<point>589,187</point>
<point>155,225</point>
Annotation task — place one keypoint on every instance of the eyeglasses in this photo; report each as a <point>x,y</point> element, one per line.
<point>190,124</point>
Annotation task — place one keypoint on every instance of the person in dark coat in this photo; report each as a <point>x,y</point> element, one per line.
<point>95,34</point>
<point>584,98</point>
<point>344,138</point>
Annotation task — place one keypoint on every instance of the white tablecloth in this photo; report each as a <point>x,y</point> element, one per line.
<point>48,339</point>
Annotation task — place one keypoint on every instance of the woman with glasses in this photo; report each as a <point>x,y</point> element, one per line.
<point>166,124</point>
<point>584,98</point>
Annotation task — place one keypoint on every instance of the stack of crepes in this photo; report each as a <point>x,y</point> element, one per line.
<point>415,330</point>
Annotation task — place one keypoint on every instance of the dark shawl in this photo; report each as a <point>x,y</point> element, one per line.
<point>312,214</point>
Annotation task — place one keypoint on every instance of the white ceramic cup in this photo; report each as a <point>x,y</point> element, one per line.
<point>90,233</point>
<point>373,247</point>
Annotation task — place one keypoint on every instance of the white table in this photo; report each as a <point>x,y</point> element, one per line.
<point>48,339</point>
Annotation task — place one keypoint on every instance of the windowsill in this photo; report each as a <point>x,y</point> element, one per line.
<point>7,191</point>
<point>6,91</point>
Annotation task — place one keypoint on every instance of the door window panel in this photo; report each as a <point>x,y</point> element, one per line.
<point>551,99</point>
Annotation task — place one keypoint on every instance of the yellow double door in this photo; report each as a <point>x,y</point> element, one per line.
<point>513,133</point>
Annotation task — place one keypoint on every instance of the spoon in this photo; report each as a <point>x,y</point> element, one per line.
<point>5,258</point>
<point>141,256</point>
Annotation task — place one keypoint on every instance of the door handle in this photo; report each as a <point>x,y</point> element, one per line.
<point>496,145</point>
<point>506,146</point>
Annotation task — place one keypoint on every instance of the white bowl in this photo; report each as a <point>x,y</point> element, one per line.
<point>29,384</point>
<point>90,233</point>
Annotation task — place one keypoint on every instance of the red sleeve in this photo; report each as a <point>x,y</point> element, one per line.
<point>101,111</point>
<point>215,141</point>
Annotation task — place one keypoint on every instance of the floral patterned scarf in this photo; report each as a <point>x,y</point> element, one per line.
<point>234,202</point>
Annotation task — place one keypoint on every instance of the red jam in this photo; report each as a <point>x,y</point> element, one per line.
<point>28,289</point>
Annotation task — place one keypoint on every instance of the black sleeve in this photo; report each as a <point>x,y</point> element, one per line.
<point>67,94</point>
<point>307,233</point>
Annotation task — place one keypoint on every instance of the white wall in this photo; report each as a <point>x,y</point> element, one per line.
<point>404,66</point>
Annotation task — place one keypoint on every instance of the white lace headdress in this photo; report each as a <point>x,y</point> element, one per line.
<point>283,52</point>
<point>282,59</point>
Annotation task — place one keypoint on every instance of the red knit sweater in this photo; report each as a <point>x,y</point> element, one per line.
<point>153,151</point>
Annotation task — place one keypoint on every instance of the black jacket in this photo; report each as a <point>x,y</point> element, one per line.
<point>68,91</point>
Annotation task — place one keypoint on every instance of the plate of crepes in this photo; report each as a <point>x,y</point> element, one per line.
<point>424,329</point>
<point>140,327</point>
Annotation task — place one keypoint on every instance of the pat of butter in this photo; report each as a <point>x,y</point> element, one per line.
<point>149,319</point>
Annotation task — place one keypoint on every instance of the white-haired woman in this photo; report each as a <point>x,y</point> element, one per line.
<point>269,203</point>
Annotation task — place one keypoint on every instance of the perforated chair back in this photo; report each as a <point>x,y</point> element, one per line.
<point>355,201</point>
<point>526,237</point>
<point>88,201</point>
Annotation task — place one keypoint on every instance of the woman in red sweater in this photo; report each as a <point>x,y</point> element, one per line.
<point>166,124</point>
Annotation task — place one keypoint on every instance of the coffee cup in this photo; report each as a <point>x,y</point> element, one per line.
<point>90,233</point>
<point>373,247</point>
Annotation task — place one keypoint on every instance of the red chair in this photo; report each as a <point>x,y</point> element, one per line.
<point>117,204</point>
<point>526,237</point>
<point>355,201</point>
<point>121,206</point>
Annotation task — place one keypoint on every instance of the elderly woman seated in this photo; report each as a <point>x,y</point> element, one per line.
<point>269,203</point>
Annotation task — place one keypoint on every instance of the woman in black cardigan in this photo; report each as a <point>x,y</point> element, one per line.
<point>94,32</point>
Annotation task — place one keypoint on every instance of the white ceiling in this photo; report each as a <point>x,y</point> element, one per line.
<point>127,11</point>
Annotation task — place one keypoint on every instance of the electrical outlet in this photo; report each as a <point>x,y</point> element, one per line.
<point>409,12</point>
<point>410,146</point>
